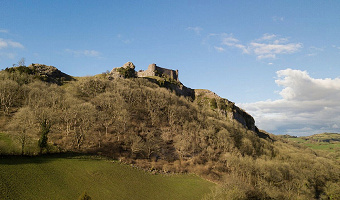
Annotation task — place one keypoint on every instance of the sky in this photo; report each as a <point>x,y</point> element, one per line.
<point>278,60</point>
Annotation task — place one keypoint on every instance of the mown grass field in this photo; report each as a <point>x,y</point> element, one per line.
<point>67,177</point>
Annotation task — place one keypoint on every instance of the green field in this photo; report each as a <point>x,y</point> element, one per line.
<point>67,177</point>
<point>7,146</point>
<point>326,141</point>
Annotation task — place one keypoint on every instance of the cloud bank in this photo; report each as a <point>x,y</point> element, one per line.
<point>307,105</point>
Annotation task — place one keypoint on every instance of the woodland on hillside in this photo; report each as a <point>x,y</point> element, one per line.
<point>137,121</point>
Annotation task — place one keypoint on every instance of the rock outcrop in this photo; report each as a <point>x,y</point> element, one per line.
<point>125,71</point>
<point>225,107</point>
<point>128,65</point>
<point>49,73</point>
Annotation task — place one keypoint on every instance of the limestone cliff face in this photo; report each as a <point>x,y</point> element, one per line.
<point>225,107</point>
<point>243,117</point>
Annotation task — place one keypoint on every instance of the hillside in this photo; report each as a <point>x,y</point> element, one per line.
<point>324,137</point>
<point>327,142</point>
<point>157,123</point>
<point>67,177</point>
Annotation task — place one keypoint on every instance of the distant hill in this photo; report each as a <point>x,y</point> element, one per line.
<point>324,137</point>
<point>316,138</point>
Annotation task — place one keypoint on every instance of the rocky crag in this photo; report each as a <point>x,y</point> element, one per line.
<point>227,109</point>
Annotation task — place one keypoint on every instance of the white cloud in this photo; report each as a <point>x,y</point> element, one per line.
<point>196,29</point>
<point>220,49</point>
<point>265,56</point>
<point>314,51</point>
<point>269,46</point>
<point>225,39</point>
<point>335,126</point>
<point>4,31</point>
<point>87,53</point>
<point>15,44</point>
<point>7,55</point>
<point>278,19</point>
<point>272,46</point>
<point>232,42</point>
<point>7,47</point>
<point>334,46</point>
<point>307,106</point>
<point>4,43</point>
<point>124,40</point>
<point>267,36</point>
<point>229,40</point>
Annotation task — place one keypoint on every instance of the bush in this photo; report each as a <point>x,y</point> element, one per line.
<point>127,72</point>
<point>213,103</point>
<point>84,196</point>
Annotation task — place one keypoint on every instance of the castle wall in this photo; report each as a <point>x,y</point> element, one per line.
<point>168,72</point>
<point>154,70</point>
<point>149,72</point>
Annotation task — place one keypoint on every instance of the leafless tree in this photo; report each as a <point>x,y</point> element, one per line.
<point>9,93</point>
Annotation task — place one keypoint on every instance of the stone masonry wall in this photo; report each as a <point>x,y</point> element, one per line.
<point>154,70</point>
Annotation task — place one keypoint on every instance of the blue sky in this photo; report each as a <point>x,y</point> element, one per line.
<point>279,60</point>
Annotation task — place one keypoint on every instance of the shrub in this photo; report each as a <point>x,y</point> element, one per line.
<point>213,103</point>
<point>84,196</point>
<point>127,72</point>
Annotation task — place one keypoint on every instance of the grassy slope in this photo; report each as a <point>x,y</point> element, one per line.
<point>324,141</point>
<point>7,146</point>
<point>68,177</point>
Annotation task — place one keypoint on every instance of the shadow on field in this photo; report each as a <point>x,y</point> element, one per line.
<point>18,159</point>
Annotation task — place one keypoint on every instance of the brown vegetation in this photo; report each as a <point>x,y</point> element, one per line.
<point>138,121</point>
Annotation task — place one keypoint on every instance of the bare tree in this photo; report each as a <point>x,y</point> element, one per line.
<point>112,112</point>
<point>84,116</point>
<point>21,62</point>
<point>23,125</point>
<point>9,92</point>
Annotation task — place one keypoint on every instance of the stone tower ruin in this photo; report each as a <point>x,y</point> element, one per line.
<point>154,70</point>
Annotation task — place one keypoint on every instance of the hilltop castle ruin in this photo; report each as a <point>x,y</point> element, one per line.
<point>153,70</point>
